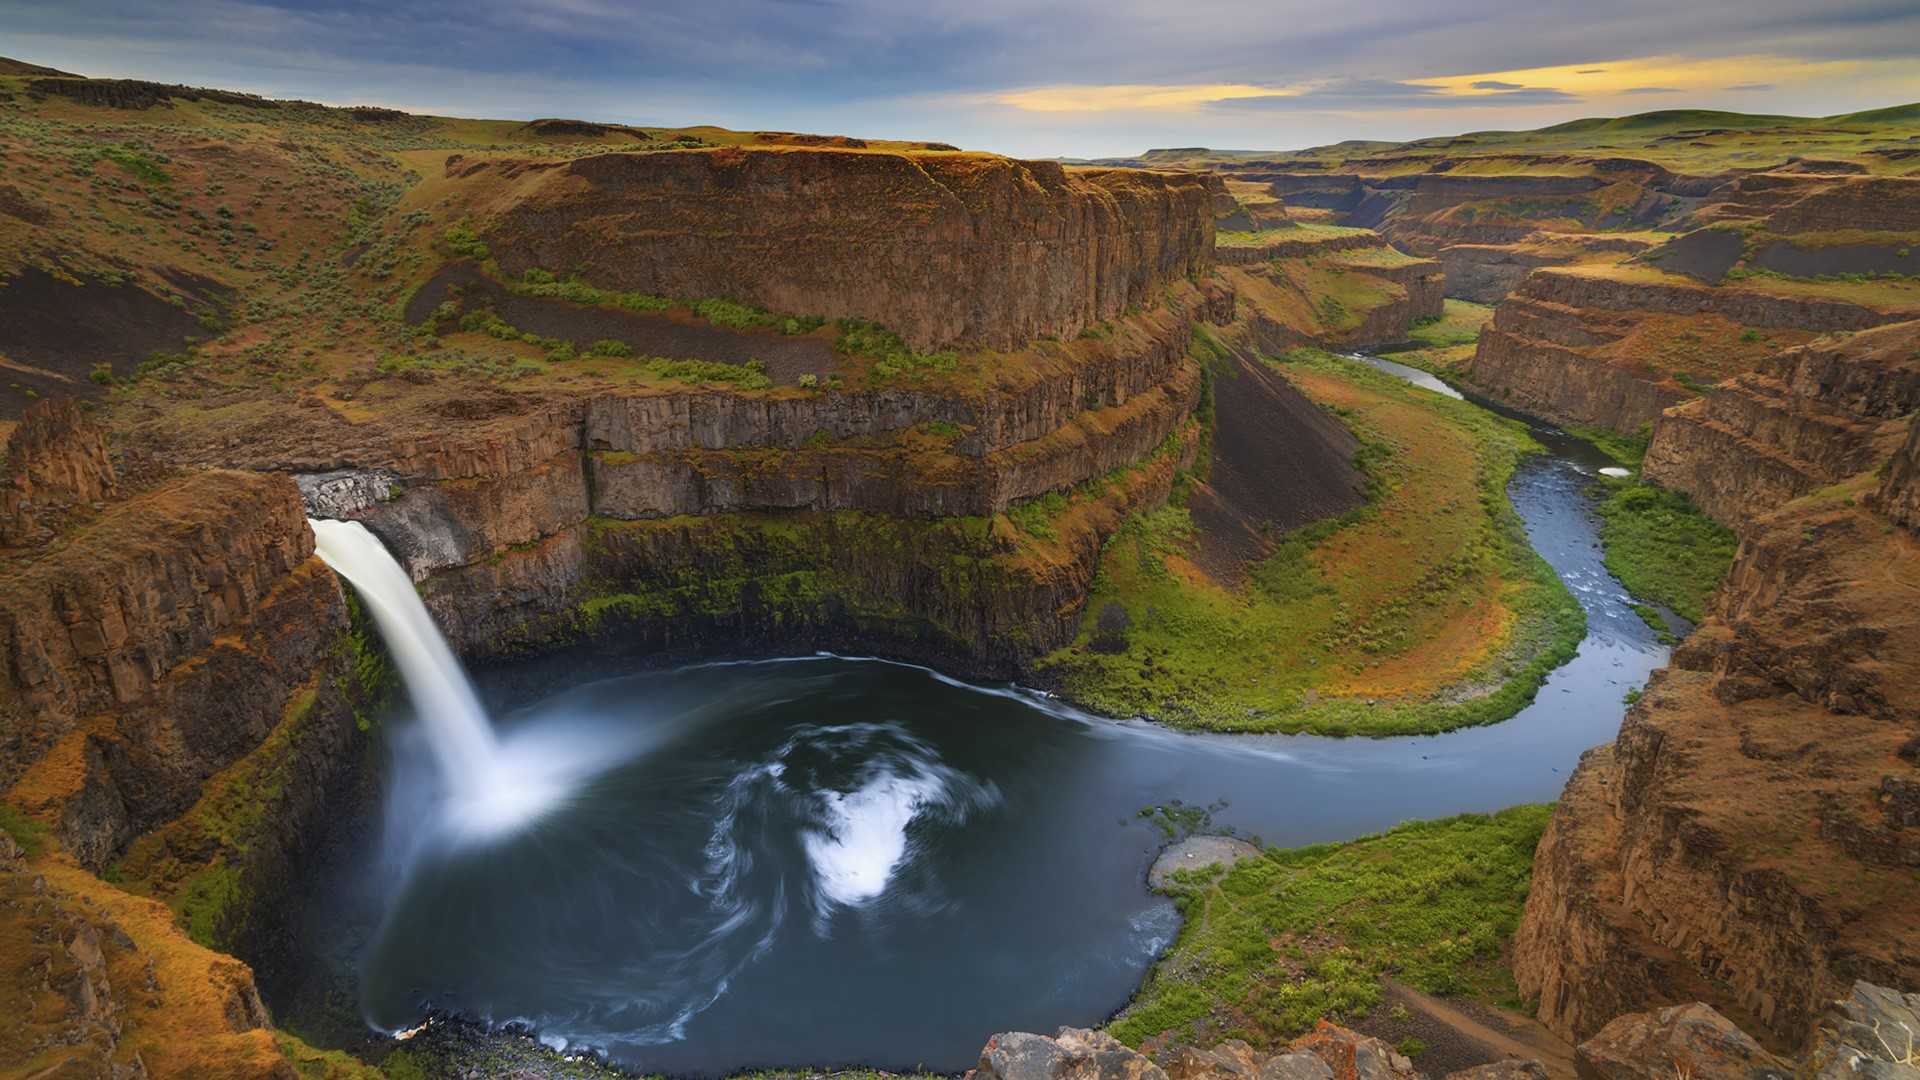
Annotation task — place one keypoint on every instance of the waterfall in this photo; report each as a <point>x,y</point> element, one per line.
<point>485,795</point>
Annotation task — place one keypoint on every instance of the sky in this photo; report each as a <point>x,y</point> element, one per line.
<point>1075,78</point>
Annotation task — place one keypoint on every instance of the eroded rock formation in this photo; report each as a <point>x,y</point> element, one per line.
<point>1604,347</point>
<point>941,248</point>
<point>1749,839</point>
<point>1805,418</point>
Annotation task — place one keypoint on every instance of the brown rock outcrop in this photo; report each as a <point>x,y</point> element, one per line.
<point>100,983</point>
<point>56,460</point>
<point>1596,347</point>
<point>1899,493</point>
<point>941,248</point>
<point>1744,841</point>
<point>1805,418</point>
<point>1682,1040</point>
<point>1871,1032</point>
<point>157,646</point>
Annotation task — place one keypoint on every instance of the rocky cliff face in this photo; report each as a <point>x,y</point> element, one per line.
<point>1805,418</point>
<point>1343,291</point>
<point>1900,489</point>
<point>163,646</point>
<point>497,516</point>
<point>942,248</point>
<point>99,983</point>
<point>1750,837</point>
<point>56,462</point>
<point>1613,347</point>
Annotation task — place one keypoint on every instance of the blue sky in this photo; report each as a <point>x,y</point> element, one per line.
<point>1073,77</point>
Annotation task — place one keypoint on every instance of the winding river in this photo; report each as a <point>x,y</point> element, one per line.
<point>836,861</point>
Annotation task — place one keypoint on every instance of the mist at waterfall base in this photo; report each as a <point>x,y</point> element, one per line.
<point>830,862</point>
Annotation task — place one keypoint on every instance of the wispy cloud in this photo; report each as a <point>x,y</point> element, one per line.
<point>1749,87</point>
<point>1373,94</point>
<point>1069,76</point>
<point>1651,90</point>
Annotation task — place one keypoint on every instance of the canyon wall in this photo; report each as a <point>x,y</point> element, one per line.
<point>171,646</point>
<point>1805,418</point>
<point>942,248</point>
<point>1342,291</point>
<point>1612,347</point>
<point>1751,836</point>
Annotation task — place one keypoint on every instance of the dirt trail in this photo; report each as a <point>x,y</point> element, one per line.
<point>1460,1034</point>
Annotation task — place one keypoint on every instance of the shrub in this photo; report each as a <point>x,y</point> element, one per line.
<point>464,242</point>
<point>610,347</point>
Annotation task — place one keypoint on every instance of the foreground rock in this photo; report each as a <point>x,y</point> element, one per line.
<point>1329,1052</point>
<point>1870,1033</point>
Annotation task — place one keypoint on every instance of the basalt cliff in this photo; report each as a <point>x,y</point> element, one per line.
<point>1749,838</point>
<point>674,391</point>
<point>782,395</point>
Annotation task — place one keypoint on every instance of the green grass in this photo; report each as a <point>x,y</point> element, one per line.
<point>892,359</point>
<point>1276,943</point>
<point>30,834</point>
<point>1628,450</point>
<point>1662,548</point>
<point>1459,323</point>
<point>1332,632</point>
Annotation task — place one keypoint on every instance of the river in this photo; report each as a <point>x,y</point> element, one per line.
<point>833,861</point>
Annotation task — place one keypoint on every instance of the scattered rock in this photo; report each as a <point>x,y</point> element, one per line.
<point>1198,853</point>
<point>1330,1052</point>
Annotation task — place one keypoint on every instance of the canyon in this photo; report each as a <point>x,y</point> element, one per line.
<point>649,396</point>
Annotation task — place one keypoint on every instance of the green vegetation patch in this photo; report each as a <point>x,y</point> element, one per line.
<point>1662,548</point>
<point>1340,629</point>
<point>892,359</point>
<point>1458,323</point>
<point>29,833</point>
<point>1272,945</point>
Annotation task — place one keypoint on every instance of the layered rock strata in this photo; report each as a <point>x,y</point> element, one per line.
<point>1805,418</point>
<point>942,248</point>
<point>1750,838</point>
<point>165,645</point>
<point>1612,349</point>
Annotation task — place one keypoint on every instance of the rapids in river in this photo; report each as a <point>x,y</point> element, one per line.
<point>834,861</point>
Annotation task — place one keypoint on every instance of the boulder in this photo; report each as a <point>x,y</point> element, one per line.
<point>1073,1054</point>
<point>1692,1041</point>
<point>1872,1033</point>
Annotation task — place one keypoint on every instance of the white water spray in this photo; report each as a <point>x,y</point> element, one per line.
<point>485,795</point>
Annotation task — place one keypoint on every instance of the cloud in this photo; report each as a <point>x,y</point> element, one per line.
<point>1746,87</point>
<point>1379,94</point>
<point>1083,77</point>
<point>1651,90</point>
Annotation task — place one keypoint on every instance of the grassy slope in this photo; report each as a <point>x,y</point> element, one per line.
<point>1662,548</point>
<point>1427,610</point>
<point>1278,942</point>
